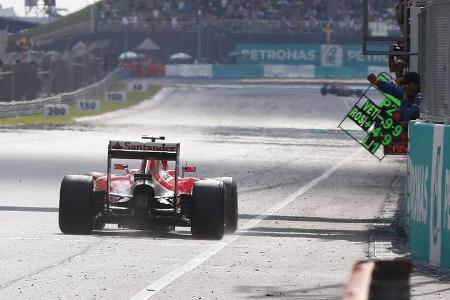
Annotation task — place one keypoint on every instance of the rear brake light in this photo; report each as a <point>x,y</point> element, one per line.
<point>190,169</point>
<point>120,167</point>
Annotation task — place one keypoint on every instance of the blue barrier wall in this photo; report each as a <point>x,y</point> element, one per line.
<point>428,193</point>
<point>445,257</point>
<point>329,60</point>
<point>419,171</point>
<point>296,60</point>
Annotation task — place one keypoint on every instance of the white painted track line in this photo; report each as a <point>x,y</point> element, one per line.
<point>167,279</point>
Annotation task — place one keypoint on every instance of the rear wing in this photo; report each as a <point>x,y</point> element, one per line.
<point>143,150</point>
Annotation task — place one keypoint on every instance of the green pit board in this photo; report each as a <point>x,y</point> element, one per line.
<point>375,118</point>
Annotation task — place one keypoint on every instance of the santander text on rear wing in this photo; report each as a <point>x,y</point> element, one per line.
<point>143,150</point>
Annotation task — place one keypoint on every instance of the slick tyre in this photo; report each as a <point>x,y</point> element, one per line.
<point>207,211</point>
<point>76,204</point>
<point>231,204</point>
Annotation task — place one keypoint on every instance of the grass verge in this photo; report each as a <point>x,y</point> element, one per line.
<point>133,98</point>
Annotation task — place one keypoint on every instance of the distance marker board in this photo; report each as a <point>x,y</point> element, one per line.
<point>118,97</point>
<point>137,86</point>
<point>88,105</point>
<point>56,110</point>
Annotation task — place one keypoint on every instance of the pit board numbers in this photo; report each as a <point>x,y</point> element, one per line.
<point>374,114</point>
<point>118,97</point>
<point>56,110</point>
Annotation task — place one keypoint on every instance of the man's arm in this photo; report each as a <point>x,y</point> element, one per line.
<point>391,89</point>
<point>386,87</point>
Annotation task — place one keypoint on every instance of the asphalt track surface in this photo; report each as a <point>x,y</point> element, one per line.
<point>307,198</point>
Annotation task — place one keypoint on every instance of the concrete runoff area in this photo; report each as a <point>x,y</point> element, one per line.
<point>307,190</point>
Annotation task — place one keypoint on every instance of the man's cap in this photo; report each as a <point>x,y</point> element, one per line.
<point>411,77</point>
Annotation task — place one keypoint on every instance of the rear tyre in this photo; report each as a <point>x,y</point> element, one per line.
<point>231,204</point>
<point>76,204</point>
<point>207,211</point>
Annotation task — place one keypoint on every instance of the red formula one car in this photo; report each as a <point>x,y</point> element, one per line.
<point>149,196</point>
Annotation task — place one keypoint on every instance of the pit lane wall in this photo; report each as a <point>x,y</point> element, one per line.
<point>428,193</point>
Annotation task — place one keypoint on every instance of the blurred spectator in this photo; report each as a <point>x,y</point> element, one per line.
<point>304,13</point>
<point>398,64</point>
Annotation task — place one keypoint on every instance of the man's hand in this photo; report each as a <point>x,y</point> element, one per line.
<point>372,78</point>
